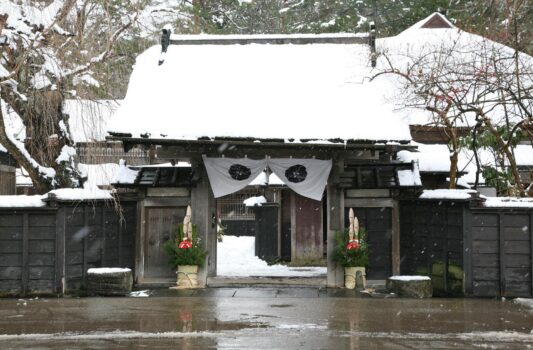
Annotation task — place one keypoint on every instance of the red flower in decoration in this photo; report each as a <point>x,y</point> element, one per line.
<point>354,244</point>
<point>185,244</point>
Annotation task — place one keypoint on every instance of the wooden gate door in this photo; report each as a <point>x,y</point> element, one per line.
<point>378,225</point>
<point>266,232</point>
<point>307,238</point>
<point>161,224</point>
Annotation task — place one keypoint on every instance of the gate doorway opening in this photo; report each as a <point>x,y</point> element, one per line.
<point>280,239</point>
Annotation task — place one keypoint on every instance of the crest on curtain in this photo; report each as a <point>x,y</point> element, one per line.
<point>307,177</point>
<point>230,175</point>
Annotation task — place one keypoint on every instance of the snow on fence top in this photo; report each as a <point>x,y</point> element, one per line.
<point>22,201</point>
<point>317,92</point>
<point>508,202</point>
<point>63,194</point>
<point>409,278</point>
<point>448,194</point>
<point>488,202</point>
<point>79,194</point>
<point>107,270</point>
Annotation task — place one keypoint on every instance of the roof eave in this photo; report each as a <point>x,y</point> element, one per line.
<point>354,144</point>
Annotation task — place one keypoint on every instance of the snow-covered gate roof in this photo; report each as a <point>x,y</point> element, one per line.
<point>287,87</point>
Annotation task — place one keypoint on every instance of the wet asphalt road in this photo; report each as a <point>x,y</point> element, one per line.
<point>263,318</point>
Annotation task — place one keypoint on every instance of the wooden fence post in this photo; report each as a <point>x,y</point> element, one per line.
<point>467,251</point>
<point>395,244</point>
<point>103,230</point>
<point>531,249</point>
<point>120,232</point>
<point>25,265</point>
<point>60,279</point>
<point>84,243</point>
<point>501,255</point>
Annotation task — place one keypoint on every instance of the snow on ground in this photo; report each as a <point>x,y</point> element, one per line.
<point>236,258</point>
<point>489,339</point>
<point>140,294</point>
<point>525,301</point>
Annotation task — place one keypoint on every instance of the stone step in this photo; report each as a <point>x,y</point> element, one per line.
<point>221,281</point>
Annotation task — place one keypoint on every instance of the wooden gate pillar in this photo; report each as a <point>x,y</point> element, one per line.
<point>335,222</point>
<point>204,216</point>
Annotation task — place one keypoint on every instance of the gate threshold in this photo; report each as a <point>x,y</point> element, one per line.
<point>256,281</point>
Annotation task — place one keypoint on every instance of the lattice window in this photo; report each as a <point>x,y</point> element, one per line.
<point>110,152</point>
<point>231,207</point>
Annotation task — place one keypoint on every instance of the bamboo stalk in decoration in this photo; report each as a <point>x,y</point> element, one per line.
<point>353,231</point>
<point>351,279</point>
<point>187,230</point>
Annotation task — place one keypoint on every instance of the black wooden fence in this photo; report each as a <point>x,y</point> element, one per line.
<point>48,250</point>
<point>468,249</point>
<point>500,242</point>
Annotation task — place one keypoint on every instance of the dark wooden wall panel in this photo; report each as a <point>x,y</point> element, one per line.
<point>75,233</point>
<point>98,236</point>
<point>10,253</point>
<point>485,254</point>
<point>432,242</point>
<point>33,259</point>
<point>501,254</point>
<point>378,224</point>
<point>27,241</point>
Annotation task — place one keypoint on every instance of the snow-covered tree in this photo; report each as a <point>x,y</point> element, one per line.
<point>262,16</point>
<point>465,80</point>
<point>48,52</point>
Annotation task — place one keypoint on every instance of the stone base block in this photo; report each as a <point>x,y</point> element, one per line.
<point>109,281</point>
<point>410,286</point>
